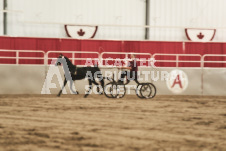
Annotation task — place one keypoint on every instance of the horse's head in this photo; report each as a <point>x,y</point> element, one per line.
<point>58,63</point>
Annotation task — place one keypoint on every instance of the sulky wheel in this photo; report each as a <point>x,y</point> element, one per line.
<point>148,90</point>
<point>113,90</point>
<point>108,90</point>
<point>119,90</point>
<point>138,91</point>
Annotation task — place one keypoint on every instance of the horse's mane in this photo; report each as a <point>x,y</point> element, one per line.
<point>68,60</point>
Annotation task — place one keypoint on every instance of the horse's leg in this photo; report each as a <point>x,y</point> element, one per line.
<point>101,80</point>
<point>71,87</point>
<point>65,82</point>
<point>102,83</point>
<point>90,88</point>
<point>98,86</point>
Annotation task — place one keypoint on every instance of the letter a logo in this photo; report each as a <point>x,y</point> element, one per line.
<point>177,81</point>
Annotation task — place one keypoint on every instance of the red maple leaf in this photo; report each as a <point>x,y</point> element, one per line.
<point>200,35</point>
<point>81,32</point>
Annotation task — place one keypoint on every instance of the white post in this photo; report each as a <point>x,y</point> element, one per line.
<point>177,58</point>
<point>17,57</point>
<point>73,58</point>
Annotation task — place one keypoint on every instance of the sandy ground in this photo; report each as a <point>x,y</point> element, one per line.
<point>71,122</point>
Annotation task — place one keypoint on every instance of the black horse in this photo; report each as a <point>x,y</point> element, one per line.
<point>72,73</point>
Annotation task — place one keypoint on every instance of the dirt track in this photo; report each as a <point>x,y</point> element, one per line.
<point>46,122</point>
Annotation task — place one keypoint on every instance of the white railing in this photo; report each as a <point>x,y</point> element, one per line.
<point>100,57</point>
<point>223,61</point>
<point>17,56</point>
<point>73,58</point>
<point>126,57</point>
<point>177,58</point>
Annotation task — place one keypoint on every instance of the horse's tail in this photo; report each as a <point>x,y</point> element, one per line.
<point>100,76</point>
<point>102,82</point>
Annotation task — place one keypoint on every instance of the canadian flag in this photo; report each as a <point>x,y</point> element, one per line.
<point>81,31</point>
<point>200,35</point>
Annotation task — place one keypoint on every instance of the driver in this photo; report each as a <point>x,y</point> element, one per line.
<point>132,73</point>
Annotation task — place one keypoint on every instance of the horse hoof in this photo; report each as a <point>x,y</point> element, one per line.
<point>58,95</point>
<point>77,92</point>
<point>86,96</point>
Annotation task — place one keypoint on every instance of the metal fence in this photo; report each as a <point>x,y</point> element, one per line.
<point>82,57</point>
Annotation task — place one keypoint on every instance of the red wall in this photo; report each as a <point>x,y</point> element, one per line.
<point>47,44</point>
